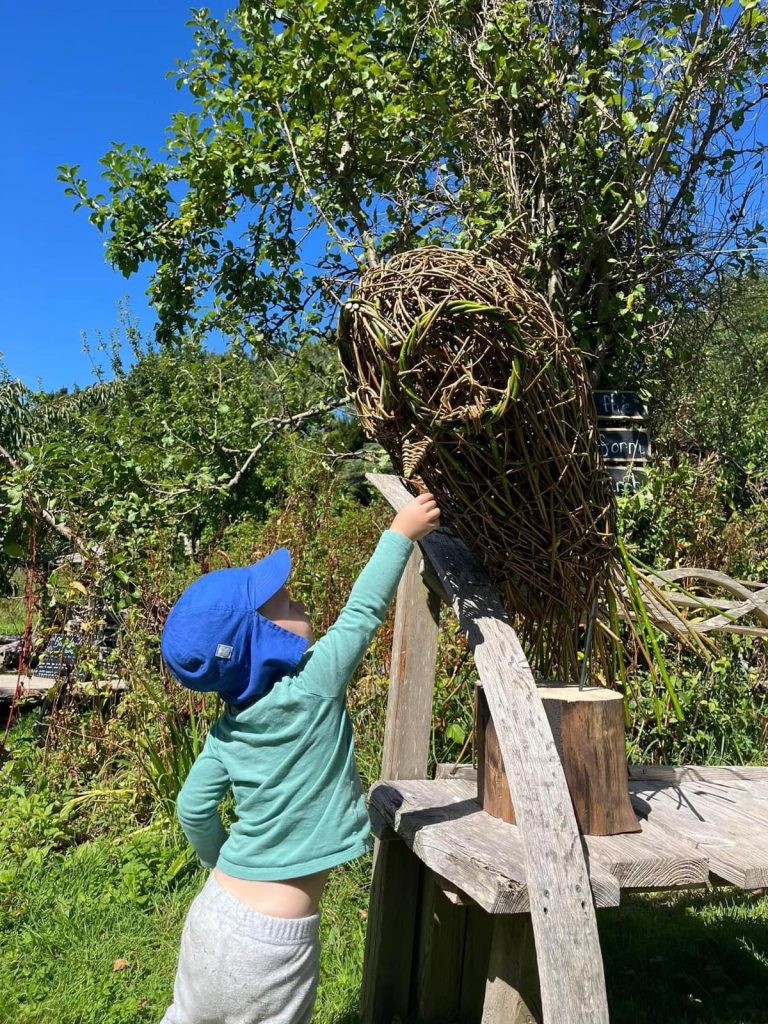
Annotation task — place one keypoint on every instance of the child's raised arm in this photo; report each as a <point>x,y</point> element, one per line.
<point>333,659</point>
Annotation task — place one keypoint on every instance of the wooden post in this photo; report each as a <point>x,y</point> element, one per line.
<point>390,933</point>
<point>412,676</point>
<point>474,970</point>
<point>492,787</point>
<point>440,952</point>
<point>588,729</point>
<point>392,912</point>
<point>512,994</point>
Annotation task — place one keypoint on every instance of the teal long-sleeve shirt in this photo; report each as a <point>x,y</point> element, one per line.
<point>289,757</point>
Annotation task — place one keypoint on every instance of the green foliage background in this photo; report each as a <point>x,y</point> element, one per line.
<point>608,153</point>
<point>613,144</point>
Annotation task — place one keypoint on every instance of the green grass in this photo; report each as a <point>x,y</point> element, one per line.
<point>64,923</point>
<point>670,959</point>
<point>687,958</point>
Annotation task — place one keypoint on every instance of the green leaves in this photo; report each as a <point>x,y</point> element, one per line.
<point>174,448</point>
<point>328,136</point>
<point>455,733</point>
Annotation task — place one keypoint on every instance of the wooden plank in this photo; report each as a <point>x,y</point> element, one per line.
<point>412,676</point>
<point>480,855</point>
<point>747,799</point>
<point>392,906</point>
<point>650,859</point>
<point>440,952</point>
<point>450,890</point>
<point>722,775</point>
<point>390,933</point>
<point>433,825</point>
<point>432,581</point>
<point>465,772</point>
<point>512,994</point>
<point>564,922</point>
<point>34,687</point>
<point>733,837</point>
<point>749,802</point>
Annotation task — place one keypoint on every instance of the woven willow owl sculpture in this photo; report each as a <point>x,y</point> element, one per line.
<point>476,391</point>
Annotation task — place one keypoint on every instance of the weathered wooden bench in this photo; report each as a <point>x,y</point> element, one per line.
<point>473,919</point>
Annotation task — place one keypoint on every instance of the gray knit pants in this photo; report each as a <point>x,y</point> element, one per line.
<point>237,966</point>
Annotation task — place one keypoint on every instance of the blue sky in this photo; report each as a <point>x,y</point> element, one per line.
<point>78,77</point>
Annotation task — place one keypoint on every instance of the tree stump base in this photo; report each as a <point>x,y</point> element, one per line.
<point>588,729</point>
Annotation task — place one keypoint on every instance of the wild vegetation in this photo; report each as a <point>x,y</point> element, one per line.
<point>325,138</point>
<point>93,863</point>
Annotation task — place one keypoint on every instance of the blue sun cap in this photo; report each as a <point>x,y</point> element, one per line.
<point>215,639</point>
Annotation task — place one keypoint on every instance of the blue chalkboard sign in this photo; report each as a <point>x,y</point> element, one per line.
<point>619,405</point>
<point>58,659</point>
<point>625,479</point>
<point>624,444</point>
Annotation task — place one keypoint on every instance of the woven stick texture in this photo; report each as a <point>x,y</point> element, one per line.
<point>478,394</point>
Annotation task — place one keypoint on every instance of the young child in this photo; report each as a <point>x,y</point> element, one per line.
<point>250,947</point>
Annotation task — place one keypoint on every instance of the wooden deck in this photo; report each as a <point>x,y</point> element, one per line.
<point>723,810</point>
<point>698,826</point>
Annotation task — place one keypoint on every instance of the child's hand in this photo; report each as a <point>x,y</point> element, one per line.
<point>418,518</point>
